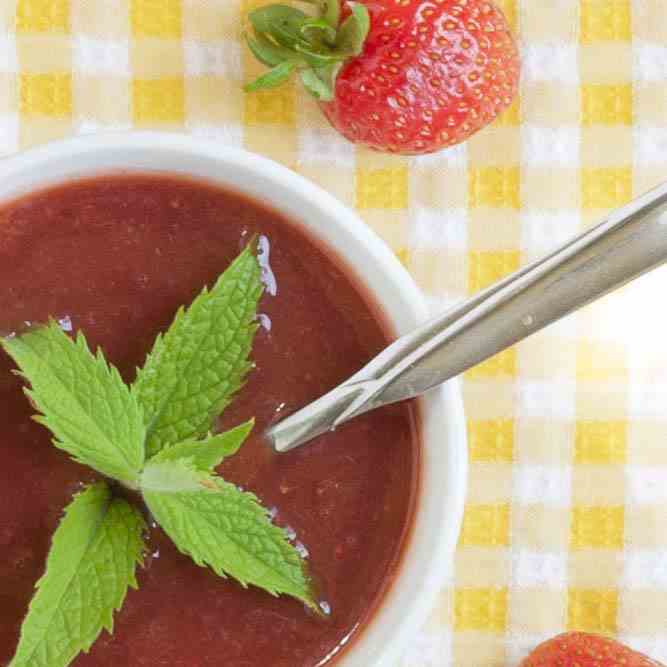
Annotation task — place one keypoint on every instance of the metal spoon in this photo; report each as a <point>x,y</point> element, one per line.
<point>630,242</point>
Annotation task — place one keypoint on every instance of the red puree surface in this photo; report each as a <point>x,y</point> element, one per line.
<point>118,255</point>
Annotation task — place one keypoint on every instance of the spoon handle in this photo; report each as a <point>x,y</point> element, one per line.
<point>628,243</point>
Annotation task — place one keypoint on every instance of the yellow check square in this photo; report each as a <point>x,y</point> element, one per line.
<point>486,526</point>
<point>600,442</point>
<point>46,95</point>
<point>606,187</point>
<point>382,188</point>
<point>158,100</point>
<point>483,609</point>
<point>496,187</point>
<point>491,441</point>
<point>488,266</point>
<point>271,107</point>
<point>605,20</point>
<point>597,527</point>
<point>42,15</point>
<point>156,18</point>
<point>592,610</point>
<point>503,363</point>
<point>606,105</point>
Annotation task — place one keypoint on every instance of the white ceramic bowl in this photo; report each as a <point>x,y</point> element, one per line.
<point>428,555</point>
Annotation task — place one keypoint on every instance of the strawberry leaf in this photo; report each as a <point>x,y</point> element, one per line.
<point>318,59</point>
<point>317,83</point>
<point>354,30</point>
<point>327,31</point>
<point>283,23</point>
<point>268,52</point>
<point>318,46</point>
<point>272,79</point>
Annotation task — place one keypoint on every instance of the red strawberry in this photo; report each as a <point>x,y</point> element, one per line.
<point>579,649</point>
<point>404,76</point>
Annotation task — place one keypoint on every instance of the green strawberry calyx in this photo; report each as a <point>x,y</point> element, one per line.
<point>288,40</point>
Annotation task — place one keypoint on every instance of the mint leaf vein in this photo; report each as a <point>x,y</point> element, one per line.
<point>194,369</point>
<point>92,562</point>
<point>218,525</point>
<point>83,400</point>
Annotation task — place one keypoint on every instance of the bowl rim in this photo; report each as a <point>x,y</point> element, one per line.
<point>375,645</point>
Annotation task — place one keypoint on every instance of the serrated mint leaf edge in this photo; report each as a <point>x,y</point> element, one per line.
<point>61,553</point>
<point>177,514</point>
<point>209,453</point>
<point>131,455</point>
<point>144,386</point>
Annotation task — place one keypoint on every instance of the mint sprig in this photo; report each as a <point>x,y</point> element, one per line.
<point>218,525</point>
<point>194,370</point>
<point>90,567</point>
<point>83,400</point>
<point>209,453</point>
<point>155,438</point>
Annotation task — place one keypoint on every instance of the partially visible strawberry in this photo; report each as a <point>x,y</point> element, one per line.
<point>580,649</point>
<point>403,76</point>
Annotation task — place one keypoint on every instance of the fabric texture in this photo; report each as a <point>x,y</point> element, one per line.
<point>566,521</point>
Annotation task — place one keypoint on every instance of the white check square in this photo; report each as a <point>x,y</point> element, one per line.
<point>650,62</point>
<point>8,58</point>
<point>551,146</point>
<point>430,649</point>
<point>548,400</point>
<point>325,146</point>
<point>439,229</point>
<point>646,485</point>
<point>543,485</point>
<point>651,145</point>
<point>646,568</point>
<point>95,57</point>
<point>218,58</point>
<point>551,62</point>
<point>532,569</point>
<point>9,133</point>
<point>455,156</point>
<point>544,231</point>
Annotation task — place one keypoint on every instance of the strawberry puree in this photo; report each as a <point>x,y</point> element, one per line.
<point>116,256</point>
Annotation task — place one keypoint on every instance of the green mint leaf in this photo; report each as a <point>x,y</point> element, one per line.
<point>272,79</point>
<point>218,525</point>
<point>194,369</point>
<point>178,476</point>
<point>92,562</point>
<point>209,453</point>
<point>83,401</point>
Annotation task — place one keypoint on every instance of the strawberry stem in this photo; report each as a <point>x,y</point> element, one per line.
<point>287,39</point>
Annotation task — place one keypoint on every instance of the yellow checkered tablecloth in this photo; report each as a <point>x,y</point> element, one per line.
<point>566,520</point>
